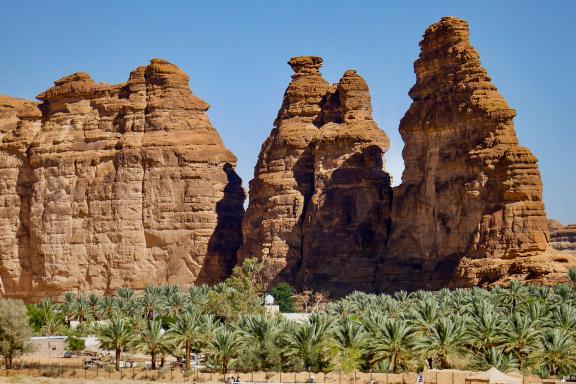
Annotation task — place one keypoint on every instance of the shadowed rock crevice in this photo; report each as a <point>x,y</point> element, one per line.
<point>227,236</point>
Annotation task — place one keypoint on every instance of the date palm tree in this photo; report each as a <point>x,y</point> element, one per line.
<point>444,339</point>
<point>513,296</point>
<point>572,276</point>
<point>80,309</point>
<point>93,302</point>
<point>425,314</point>
<point>485,329</point>
<point>493,357</point>
<point>259,334</point>
<point>557,351</point>
<point>184,331</point>
<point>564,317</point>
<point>350,339</point>
<point>175,303</point>
<point>152,339</point>
<point>106,306</point>
<point>224,347</point>
<point>116,335</point>
<point>151,302</point>
<point>53,326</point>
<point>66,308</point>
<point>308,344</point>
<point>520,337</point>
<point>394,344</point>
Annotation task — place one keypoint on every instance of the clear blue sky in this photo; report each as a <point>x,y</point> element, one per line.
<point>236,51</point>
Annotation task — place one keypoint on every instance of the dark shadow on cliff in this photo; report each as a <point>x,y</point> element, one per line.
<point>348,230</point>
<point>303,173</point>
<point>227,236</point>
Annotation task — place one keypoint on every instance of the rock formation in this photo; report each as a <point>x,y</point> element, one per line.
<point>319,200</point>
<point>283,176</point>
<point>103,186</point>
<point>106,186</point>
<point>347,218</point>
<point>469,210</point>
<point>563,238</point>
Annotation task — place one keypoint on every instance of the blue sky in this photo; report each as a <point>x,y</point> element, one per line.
<point>235,53</point>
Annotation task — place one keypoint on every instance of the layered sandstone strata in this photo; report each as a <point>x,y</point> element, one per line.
<point>469,210</point>
<point>106,186</point>
<point>563,238</point>
<point>319,200</point>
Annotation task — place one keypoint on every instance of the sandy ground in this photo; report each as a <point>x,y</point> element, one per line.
<point>70,362</point>
<point>40,380</point>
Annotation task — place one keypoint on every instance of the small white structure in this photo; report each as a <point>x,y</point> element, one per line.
<point>299,317</point>
<point>48,346</point>
<point>492,376</point>
<point>269,300</point>
<point>269,304</point>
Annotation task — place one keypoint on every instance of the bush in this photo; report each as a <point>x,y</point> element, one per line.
<point>75,344</point>
<point>36,318</point>
<point>282,293</point>
<point>15,331</point>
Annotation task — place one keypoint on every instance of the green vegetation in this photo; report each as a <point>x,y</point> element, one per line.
<point>15,330</point>
<point>75,344</point>
<point>283,295</point>
<point>527,328</point>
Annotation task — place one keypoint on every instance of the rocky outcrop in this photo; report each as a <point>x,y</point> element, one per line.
<point>563,238</point>
<point>283,176</point>
<point>347,218</point>
<point>106,186</point>
<point>319,200</point>
<point>469,210</point>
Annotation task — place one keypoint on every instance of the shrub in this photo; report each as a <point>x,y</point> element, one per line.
<point>282,293</point>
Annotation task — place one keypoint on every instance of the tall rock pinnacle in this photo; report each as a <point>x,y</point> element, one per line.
<point>319,200</point>
<point>469,210</point>
<point>347,219</point>
<point>283,178</point>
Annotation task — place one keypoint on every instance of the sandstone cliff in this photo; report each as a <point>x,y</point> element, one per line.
<point>283,176</point>
<point>469,210</point>
<point>319,200</point>
<point>563,238</point>
<point>106,186</point>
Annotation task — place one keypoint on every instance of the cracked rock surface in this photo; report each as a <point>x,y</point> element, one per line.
<point>104,186</point>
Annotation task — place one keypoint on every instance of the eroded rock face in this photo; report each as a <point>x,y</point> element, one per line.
<point>283,176</point>
<point>319,201</point>
<point>469,210</point>
<point>347,218</point>
<point>106,186</point>
<point>563,238</point>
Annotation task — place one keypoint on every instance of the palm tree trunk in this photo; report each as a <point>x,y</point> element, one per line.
<point>153,357</point>
<point>117,359</point>
<point>187,353</point>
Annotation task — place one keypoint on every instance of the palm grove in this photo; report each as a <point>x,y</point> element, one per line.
<point>527,328</point>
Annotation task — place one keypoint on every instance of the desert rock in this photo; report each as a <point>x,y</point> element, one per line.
<point>319,200</point>
<point>105,186</point>
<point>347,217</point>
<point>469,210</point>
<point>563,238</point>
